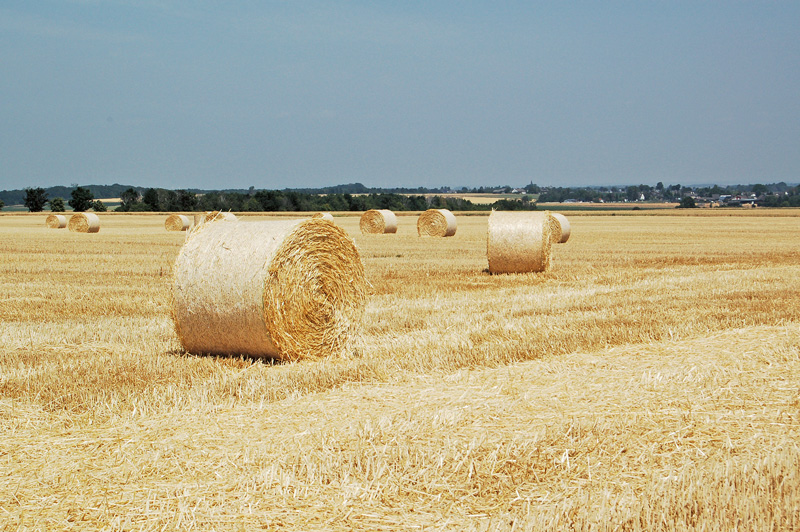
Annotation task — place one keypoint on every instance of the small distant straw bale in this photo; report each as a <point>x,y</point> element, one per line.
<point>84,222</point>
<point>56,221</point>
<point>562,229</point>
<point>324,215</point>
<point>289,289</point>
<point>519,242</point>
<point>378,221</point>
<point>219,216</point>
<point>177,222</point>
<point>436,222</point>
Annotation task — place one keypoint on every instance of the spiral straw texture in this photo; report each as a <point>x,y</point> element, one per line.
<point>378,221</point>
<point>84,222</point>
<point>436,222</point>
<point>289,289</point>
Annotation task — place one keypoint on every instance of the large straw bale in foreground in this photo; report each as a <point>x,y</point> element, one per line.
<point>177,222</point>
<point>378,221</point>
<point>290,289</point>
<point>56,221</point>
<point>436,222</point>
<point>519,242</point>
<point>561,231</point>
<point>84,222</point>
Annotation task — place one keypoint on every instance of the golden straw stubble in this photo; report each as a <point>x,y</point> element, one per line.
<point>286,289</point>
<point>378,221</point>
<point>84,222</point>
<point>436,222</point>
<point>519,242</point>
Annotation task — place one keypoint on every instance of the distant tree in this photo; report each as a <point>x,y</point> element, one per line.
<point>82,199</point>
<point>760,190</point>
<point>687,203</point>
<point>188,201</point>
<point>128,199</point>
<point>660,186</point>
<point>99,206</point>
<point>57,204</point>
<point>35,199</point>
<point>2,205</point>
<point>150,199</point>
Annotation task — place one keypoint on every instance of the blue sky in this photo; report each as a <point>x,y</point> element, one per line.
<point>276,94</point>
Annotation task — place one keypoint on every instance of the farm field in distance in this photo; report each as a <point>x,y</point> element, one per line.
<point>649,381</point>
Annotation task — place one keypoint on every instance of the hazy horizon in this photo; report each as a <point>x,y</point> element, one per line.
<point>179,94</point>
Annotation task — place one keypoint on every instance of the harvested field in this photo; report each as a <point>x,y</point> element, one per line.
<point>649,380</point>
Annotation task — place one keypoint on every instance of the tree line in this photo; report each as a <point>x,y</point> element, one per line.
<point>164,200</point>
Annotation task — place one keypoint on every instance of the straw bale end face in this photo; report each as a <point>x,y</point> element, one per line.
<point>562,231</point>
<point>436,222</point>
<point>56,221</point>
<point>519,242</point>
<point>177,222</point>
<point>84,222</point>
<point>285,289</point>
<point>378,221</point>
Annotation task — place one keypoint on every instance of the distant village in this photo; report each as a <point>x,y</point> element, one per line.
<point>748,196</point>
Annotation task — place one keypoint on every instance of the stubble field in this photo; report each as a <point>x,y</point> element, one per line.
<point>649,381</point>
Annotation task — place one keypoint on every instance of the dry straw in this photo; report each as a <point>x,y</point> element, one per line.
<point>56,221</point>
<point>218,216</point>
<point>177,222</point>
<point>324,215</point>
<point>378,221</point>
<point>519,242</point>
<point>436,222</point>
<point>562,229</point>
<point>289,289</point>
<point>84,222</point>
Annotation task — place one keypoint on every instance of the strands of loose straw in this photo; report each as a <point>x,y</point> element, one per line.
<point>56,221</point>
<point>217,216</point>
<point>84,222</point>
<point>177,222</point>
<point>324,215</point>
<point>562,231</point>
<point>436,222</point>
<point>519,242</point>
<point>378,221</point>
<point>287,289</point>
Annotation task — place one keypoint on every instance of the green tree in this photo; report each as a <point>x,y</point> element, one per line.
<point>187,201</point>
<point>99,206</point>
<point>687,203</point>
<point>150,199</point>
<point>128,199</point>
<point>82,199</point>
<point>35,199</point>
<point>2,204</point>
<point>57,204</point>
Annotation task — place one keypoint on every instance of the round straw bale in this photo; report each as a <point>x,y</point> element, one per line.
<point>84,222</point>
<point>324,215</point>
<point>219,216</point>
<point>519,242</point>
<point>378,221</point>
<point>177,222</point>
<point>561,231</point>
<point>436,222</point>
<point>289,289</point>
<point>56,221</point>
